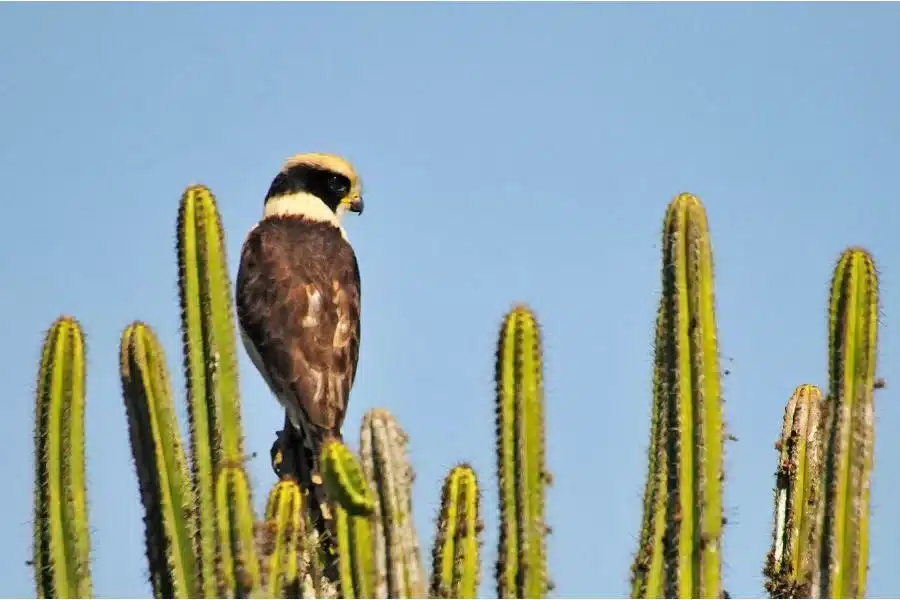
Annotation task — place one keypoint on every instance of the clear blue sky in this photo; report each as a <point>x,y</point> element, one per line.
<point>509,153</point>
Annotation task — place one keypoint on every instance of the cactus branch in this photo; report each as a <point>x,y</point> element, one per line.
<point>852,344</point>
<point>456,567</point>
<point>61,536</point>
<point>160,462</point>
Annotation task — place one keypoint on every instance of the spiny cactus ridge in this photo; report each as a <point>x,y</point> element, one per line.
<point>385,462</point>
<point>850,440</point>
<point>796,535</point>
<point>62,541</point>
<point>456,566</point>
<point>522,559</point>
<point>680,553</point>
<point>203,540</point>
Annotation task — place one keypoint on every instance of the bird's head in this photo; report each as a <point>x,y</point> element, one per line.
<point>315,186</point>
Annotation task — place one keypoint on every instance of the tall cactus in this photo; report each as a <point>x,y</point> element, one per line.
<point>681,537</point>
<point>62,542</point>
<point>456,567</point>
<point>385,462</point>
<point>210,362</point>
<point>522,559</point>
<point>160,463</point>
<point>796,535</point>
<point>849,454</point>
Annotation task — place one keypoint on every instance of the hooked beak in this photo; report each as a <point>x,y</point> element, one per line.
<point>355,203</point>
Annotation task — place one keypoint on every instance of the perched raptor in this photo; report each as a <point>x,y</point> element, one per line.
<point>298,305</point>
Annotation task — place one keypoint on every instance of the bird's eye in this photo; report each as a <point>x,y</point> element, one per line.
<point>337,184</point>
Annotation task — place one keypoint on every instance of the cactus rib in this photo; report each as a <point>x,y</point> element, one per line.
<point>686,491</point>
<point>796,535</point>
<point>240,569</point>
<point>852,343</point>
<point>456,567</point>
<point>388,471</point>
<point>210,360</point>
<point>160,462</point>
<point>61,536</point>
<point>522,563</point>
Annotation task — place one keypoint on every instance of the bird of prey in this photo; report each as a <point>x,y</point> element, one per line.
<point>298,305</point>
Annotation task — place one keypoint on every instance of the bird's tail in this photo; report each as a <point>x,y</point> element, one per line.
<point>301,452</point>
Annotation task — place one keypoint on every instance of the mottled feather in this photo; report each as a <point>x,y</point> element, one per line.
<point>298,301</point>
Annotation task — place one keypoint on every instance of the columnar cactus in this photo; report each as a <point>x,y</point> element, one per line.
<point>62,541</point>
<point>386,464</point>
<point>354,505</point>
<point>680,554</point>
<point>796,535</point>
<point>210,361</point>
<point>456,567</point>
<point>522,559</point>
<point>850,446</point>
<point>160,463</point>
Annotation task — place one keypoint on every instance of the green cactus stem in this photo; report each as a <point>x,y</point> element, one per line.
<point>680,555</point>
<point>852,349</point>
<point>796,536</point>
<point>160,463</point>
<point>388,470</point>
<point>62,543</point>
<point>354,505</point>
<point>456,567</point>
<point>522,559</point>
<point>282,544</point>
<point>210,360</point>
<point>239,565</point>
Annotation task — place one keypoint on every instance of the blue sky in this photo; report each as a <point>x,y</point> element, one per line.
<point>510,153</point>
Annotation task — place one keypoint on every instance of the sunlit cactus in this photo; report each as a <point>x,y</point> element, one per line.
<point>238,561</point>
<point>796,535</point>
<point>210,359</point>
<point>850,441</point>
<point>160,463</point>
<point>62,542</point>
<point>456,560</point>
<point>385,462</point>
<point>680,552</point>
<point>522,559</point>
<point>281,540</point>
<point>354,504</point>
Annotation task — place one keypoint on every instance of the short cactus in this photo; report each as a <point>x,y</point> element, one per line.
<point>796,536</point>
<point>282,539</point>
<point>62,542</point>
<point>456,568</point>
<point>522,559</point>
<point>385,462</point>
<point>680,554</point>
<point>850,445</point>
<point>354,505</point>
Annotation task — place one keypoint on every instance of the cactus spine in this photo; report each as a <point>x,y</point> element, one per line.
<point>456,567</point>
<point>681,539</point>
<point>389,472</point>
<point>61,535</point>
<point>354,506</point>
<point>796,536</point>
<point>160,463</point>
<point>852,348</point>
<point>522,560</point>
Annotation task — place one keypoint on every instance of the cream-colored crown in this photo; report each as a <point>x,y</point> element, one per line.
<point>323,160</point>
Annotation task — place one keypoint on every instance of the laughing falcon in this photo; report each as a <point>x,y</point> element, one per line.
<point>298,305</point>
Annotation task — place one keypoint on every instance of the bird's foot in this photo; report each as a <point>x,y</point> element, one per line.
<point>277,454</point>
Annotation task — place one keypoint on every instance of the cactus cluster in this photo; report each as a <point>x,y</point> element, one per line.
<point>203,538</point>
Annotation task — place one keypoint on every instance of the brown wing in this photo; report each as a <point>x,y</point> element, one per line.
<point>298,301</point>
